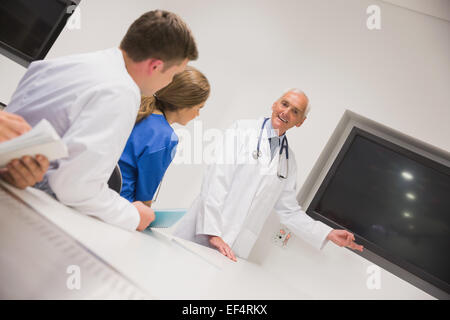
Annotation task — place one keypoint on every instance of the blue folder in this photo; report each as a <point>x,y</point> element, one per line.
<point>166,218</point>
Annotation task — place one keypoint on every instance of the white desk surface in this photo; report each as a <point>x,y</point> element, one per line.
<point>165,266</point>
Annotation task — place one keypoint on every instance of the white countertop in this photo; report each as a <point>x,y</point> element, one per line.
<point>164,266</point>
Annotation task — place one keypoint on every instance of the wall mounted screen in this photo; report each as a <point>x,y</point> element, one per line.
<point>395,201</point>
<point>28,28</point>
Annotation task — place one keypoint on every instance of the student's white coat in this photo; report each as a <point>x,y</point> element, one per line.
<point>92,102</point>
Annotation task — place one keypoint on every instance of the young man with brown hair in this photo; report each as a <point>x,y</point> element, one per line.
<point>92,101</point>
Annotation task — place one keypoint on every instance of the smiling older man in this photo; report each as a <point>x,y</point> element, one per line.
<point>236,199</point>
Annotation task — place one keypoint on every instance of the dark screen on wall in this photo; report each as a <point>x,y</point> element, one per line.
<point>26,25</point>
<point>399,204</point>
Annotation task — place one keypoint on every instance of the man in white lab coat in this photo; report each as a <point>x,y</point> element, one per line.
<point>92,101</point>
<point>237,196</point>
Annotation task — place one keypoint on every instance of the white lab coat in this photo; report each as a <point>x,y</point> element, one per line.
<point>236,199</point>
<point>92,102</point>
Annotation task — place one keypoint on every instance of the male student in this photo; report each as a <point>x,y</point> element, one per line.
<point>92,101</point>
<point>237,196</point>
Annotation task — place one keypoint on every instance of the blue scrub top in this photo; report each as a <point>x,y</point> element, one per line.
<point>147,154</point>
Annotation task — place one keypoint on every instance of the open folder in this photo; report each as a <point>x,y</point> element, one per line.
<point>167,218</point>
<point>42,139</point>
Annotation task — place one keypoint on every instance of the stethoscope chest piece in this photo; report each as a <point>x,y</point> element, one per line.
<point>256,154</point>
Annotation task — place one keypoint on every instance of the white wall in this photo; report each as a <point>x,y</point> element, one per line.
<point>435,8</point>
<point>252,50</point>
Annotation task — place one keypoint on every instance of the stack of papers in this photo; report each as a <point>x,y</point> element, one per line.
<point>42,139</point>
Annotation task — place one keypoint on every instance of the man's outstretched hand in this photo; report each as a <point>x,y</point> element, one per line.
<point>343,238</point>
<point>221,245</point>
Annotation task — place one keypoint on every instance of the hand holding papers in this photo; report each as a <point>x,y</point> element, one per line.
<point>27,156</point>
<point>42,139</point>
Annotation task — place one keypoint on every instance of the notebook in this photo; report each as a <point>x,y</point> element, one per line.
<point>42,139</point>
<point>166,218</point>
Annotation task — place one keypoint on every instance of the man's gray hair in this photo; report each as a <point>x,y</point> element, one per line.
<point>296,90</point>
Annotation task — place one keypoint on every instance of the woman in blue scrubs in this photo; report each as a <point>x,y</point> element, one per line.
<point>152,143</point>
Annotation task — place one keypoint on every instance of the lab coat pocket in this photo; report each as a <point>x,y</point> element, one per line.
<point>244,243</point>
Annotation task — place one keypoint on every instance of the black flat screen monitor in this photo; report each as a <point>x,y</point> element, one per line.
<point>28,28</point>
<point>395,201</point>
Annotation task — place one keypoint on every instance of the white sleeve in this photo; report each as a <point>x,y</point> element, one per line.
<point>96,139</point>
<point>292,216</point>
<point>215,188</point>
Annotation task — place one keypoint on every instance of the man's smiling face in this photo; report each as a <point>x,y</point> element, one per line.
<point>289,111</point>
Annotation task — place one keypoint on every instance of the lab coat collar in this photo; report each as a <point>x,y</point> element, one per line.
<point>121,59</point>
<point>271,131</point>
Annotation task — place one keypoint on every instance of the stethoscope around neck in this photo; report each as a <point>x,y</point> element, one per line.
<point>284,146</point>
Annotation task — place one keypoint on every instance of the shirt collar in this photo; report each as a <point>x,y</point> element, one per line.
<point>271,131</point>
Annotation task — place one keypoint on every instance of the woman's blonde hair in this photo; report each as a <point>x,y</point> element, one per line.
<point>188,89</point>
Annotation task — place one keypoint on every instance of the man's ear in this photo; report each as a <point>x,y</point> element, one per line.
<point>300,122</point>
<point>154,65</point>
<point>274,105</point>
